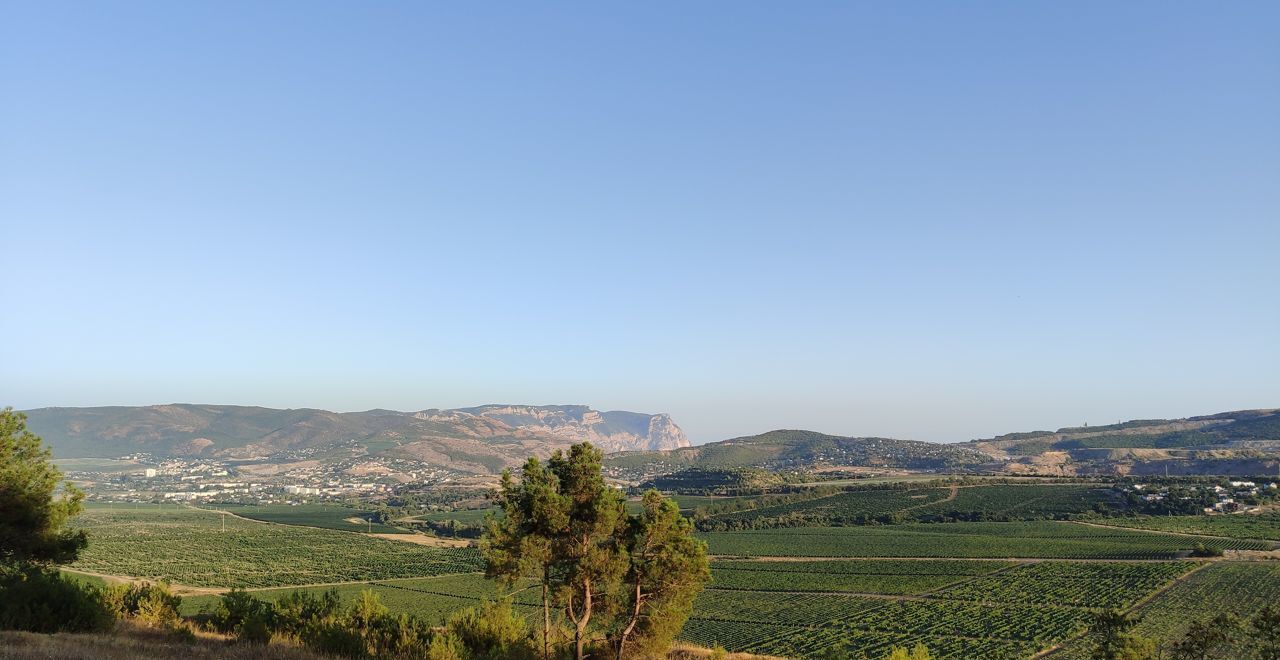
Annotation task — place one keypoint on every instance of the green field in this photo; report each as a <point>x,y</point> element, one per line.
<point>468,516</point>
<point>1045,539</point>
<point>970,503</point>
<point>858,576</point>
<point>328,516</point>
<point>1238,526</point>
<point>1237,588</point>
<point>965,590</point>
<point>432,599</point>
<point>190,546</point>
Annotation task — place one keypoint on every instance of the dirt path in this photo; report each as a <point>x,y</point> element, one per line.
<point>423,539</point>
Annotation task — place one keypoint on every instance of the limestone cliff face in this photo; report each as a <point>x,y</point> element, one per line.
<point>500,434</point>
<point>612,431</point>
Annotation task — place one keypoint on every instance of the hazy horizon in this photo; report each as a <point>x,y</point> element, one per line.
<point>693,440</point>
<point>937,221</point>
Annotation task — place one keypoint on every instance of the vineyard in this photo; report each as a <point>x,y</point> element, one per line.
<point>1237,588</point>
<point>1075,584</point>
<point>965,590</point>
<point>1019,502</point>
<point>190,547</point>
<point>968,503</point>
<point>1239,526</point>
<point>432,599</point>
<point>1048,540</point>
<point>858,576</point>
<point>328,516</point>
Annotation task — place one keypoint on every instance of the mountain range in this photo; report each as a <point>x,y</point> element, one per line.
<point>486,439</point>
<point>1242,442</point>
<point>480,439</point>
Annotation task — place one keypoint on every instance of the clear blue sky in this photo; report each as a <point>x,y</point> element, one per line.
<point>931,220</point>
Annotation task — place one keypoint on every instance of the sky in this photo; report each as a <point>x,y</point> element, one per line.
<point>928,220</point>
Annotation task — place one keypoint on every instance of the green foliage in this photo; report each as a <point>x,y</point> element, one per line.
<point>1115,641</point>
<point>327,516</point>
<point>1206,640</point>
<point>607,573</point>
<point>918,652</point>
<point>244,615</point>
<point>899,503</point>
<point>38,599</point>
<point>32,516</point>
<point>189,546</point>
<point>668,568</point>
<point>151,604</point>
<point>494,631</point>
<point>1049,540</point>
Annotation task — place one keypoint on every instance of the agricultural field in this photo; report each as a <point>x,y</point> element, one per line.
<point>931,504</point>
<point>467,516</point>
<point>854,507</point>
<point>327,516</point>
<point>1236,526</point>
<point>1020,502</point>
<point>856,576</point>
<point>1237,588</point>
<point>965,590</point>
<point>431,599</point>
<point>190,547</point>
<point>1042,539</point>
<point>1071,583</point>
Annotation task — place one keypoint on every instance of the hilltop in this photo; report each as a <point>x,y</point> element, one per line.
<point>1245,442</point>
<point>802,451</point>
<point>482,439</point>
<point>1235,442</point>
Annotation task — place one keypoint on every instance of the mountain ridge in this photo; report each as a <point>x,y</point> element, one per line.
<point>481,438</point>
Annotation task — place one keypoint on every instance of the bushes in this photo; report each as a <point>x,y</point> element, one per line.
<point>366,629</point>
<point>44,601</point>
<point>493,631</point>
<point>151,604</point>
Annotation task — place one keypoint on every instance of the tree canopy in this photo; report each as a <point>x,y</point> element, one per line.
<point>626,581</point>
<point>32,510</point>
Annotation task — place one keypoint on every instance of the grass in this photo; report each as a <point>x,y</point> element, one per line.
<point>130,642</point>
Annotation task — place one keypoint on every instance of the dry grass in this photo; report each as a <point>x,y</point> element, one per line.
<point>689,652</point>
<point>131,642</point>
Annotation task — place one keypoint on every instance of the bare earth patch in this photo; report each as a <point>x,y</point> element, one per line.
<point>423,539</point>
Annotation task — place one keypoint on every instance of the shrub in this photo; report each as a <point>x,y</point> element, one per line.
<point>44,601</point>
<point>152,604</point>
<point>236,607</point>
<point>494,631</point>
<point>297,610</point>
<point>334,638</point>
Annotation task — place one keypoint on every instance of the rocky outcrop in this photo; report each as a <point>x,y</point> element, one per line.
<point>489,436</point>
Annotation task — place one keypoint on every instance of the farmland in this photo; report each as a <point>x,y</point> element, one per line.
<point>964,589</point>
<point>1044,539</point>
<point>863,506</point>
<point>1237,588</point>
<point>1238,526</point>
<point>864,576</point>
<point>189,546</point>
<point>328,516</point>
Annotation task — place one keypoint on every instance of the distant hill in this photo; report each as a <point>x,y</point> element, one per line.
<point>1236,442</point>
<point>1245,442</point>
<point>480,439</point>
<point>802,450</point>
